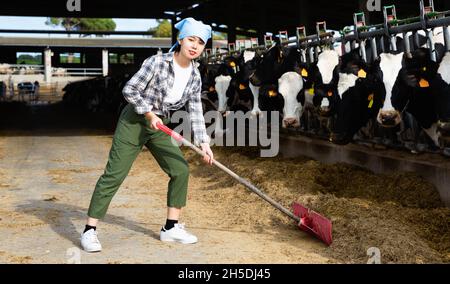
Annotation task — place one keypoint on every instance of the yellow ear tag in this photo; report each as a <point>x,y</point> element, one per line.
<point>232,64</point>
<point>304,73</point>
<point>242,87</point>
<point>311,91</point>
<point>424,83</point>
<point>424,68</point>
<point>272,93</point>
<point>362,73</point>
<point>370,99</point>
<point>212,89</point>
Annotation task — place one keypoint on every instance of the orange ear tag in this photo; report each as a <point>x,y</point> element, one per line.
<point>242,87</point>
<point>272,93</point>
<point>212,89</point>
<point>330,93</point>
<point>424,83</point>
<point>362,73</point>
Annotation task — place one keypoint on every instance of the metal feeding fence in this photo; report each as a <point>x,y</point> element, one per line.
<point>359,34</point>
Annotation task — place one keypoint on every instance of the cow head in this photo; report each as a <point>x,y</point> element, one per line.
<point>442,90</point>
<point>360,97</point>
<point>270,99</point>
<point>239,95</point>
<point>326,77</point>
<point>248,61</point>
<point>275,62</point>
<point>388,67</point>
<point>290,85</point>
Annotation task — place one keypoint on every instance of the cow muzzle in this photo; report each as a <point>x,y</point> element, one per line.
<point>255,80</point>
<point>325,108</point>
<point>390,118</point>
<point>291,122</point>
<point>339,138</point>
<point>444,127</point>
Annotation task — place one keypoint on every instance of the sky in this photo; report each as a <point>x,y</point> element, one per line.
<point>38,23</point>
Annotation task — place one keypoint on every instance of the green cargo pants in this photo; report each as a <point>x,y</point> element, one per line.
<point>132,133</point>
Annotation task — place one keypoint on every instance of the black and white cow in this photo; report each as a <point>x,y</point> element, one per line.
<point>280,68</point>
<point>441,89</point>
<point>407,86</point>
<point>325,79</point>
<point>239,95</point>
<point>275,62</point>
<point>216,79</point>
<point>360,97</point>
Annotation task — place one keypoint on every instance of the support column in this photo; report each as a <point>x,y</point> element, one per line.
<point>304,14</point>
<point>174,30</point>
<point>105,62</point>
<point>362,7</point>
<point>262,24</point>
<point>231,34</point>
<point>47,65</point>
<point>209,44</point>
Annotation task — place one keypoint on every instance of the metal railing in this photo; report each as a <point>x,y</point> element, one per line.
<point>28,69</point>
<point>77,72</point>
<point>21,69</point>
<point>360,32</point>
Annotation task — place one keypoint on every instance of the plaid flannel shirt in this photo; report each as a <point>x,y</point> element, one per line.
<point>147,89</point>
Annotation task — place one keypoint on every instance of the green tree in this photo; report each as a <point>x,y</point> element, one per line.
<point>219,36</point>
<point>163,29</point>
<point>83,24</point>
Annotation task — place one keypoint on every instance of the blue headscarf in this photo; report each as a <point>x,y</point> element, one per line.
<point>192,27</point>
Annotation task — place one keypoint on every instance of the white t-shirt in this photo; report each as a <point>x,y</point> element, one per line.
<point>182,76</point>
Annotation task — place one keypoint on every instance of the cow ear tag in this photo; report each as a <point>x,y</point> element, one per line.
<point>330,93</point>
<point>232,64</point>
<point>304,73</point>
<point>370,99</point>
<point>362,73</point>
<point>424,68</point>
<point>272,93</point>
<point>242,87</point>
<point>424,83</point>
<point>211,89</point>
<point>311,91</point>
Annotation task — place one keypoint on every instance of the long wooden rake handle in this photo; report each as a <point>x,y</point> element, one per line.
<point>241,180</point>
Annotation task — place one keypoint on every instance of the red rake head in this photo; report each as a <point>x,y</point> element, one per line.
<point>313,223</point>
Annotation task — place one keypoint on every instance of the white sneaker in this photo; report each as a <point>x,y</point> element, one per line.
<point>90,242</point>
<point>177,234</point>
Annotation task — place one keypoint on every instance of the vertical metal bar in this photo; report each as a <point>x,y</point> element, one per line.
<point>416,39</point>
<point>373,44</point>
<point>303,54</point>
<point>343,51</point>
<point>362,48</point>
<point>446,37</point>
<point>406,42</point>
<point>383,49</point>
<point>353,44</point>
<point>311,55</point>
<point>393,43</point>
<point>431,45</point>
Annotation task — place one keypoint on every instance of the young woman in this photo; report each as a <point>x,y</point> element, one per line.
<point>165,83</point>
